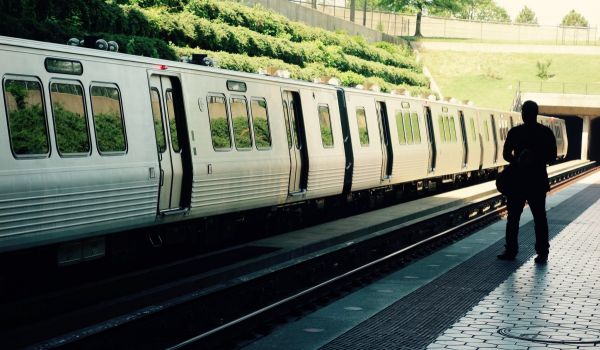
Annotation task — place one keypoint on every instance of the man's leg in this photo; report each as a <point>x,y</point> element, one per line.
<point>514,206</point>
<point>537,204</point>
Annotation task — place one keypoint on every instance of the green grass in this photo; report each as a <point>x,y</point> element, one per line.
<point>491,79</point>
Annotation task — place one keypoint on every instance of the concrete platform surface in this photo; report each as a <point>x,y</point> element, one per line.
<point>461,297</point>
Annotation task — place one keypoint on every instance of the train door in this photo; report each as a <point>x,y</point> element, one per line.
<point>463,130</point>
<point>386,145</point>
<point>431,137</point>
<point>297,142</point>
<point>167,115</point>
<point>495,138</point>
<point>347,141</point>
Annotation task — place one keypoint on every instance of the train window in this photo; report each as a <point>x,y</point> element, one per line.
<point>108,119</point>
<point>415,127</point>
<point>159,128</point>
<point>236,86</point>
<point>446,129</point>
<point>70,123</point>
<point>363,130</point>
<point>260,120</point>
<point>400,127</point>
<point>441,128</point>
<point>219,123</point>
<point>287,123</point>
<point>55,65</point>
<point>472,129</point>
<point>294,124</point>
<point>27,125</point>
<point>172,122</point>
<point>452,129</point>
<point>241,123</point>
<point>408,128</point>
<point>325,123</point>
<point>486,131</point>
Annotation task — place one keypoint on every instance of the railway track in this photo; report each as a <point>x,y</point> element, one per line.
<point>199,311</point>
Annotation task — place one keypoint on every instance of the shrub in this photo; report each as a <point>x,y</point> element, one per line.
<point>109,132</point>
<point>28,130</point>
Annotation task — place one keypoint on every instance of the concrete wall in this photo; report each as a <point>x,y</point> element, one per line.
<point>316,18</point>
<point>404,25</point>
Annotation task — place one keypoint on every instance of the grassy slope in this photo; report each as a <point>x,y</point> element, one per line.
<point>490,79</point>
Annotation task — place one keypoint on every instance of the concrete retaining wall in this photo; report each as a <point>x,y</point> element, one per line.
<point>316,18</point>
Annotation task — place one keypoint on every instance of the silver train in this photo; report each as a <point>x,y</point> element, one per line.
<point>95,142</point>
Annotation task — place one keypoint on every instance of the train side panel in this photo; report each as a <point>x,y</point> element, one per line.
<point>449,146</point>
<point>324,141</point>
<point>474,151</point>
<point>64,186</point>
<point>239,146</point>
<point>366,141</point>
<point>488,139</point>
<point>409,138</point>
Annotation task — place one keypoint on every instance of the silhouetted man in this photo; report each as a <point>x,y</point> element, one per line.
<point>529,147</point>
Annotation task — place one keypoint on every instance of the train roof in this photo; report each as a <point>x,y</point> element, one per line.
<point>90,53</point>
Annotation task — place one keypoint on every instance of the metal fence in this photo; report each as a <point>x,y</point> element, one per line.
<point>404,25</point>
<point>559,87</point>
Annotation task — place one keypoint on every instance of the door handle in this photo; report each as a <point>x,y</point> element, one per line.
<point>162,177</point>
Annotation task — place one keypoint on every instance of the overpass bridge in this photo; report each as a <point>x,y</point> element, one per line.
<point>581,112</point>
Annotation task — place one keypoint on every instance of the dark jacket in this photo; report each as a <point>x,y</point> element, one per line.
<point>529,147</point>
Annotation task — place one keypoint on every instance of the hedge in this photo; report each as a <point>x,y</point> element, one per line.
<point>218,25</point>
<point>244,63</point>
<point>222,37</point>
<point>267,22</point>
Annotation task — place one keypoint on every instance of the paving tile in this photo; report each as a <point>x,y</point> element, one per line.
<point>557,302</point>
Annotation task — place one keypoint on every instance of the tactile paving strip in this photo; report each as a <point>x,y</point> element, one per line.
<point>416,320</point>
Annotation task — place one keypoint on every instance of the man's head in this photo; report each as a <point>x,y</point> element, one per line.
<point>529,112</point>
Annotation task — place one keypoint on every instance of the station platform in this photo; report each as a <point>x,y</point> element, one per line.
<point>462,297</point>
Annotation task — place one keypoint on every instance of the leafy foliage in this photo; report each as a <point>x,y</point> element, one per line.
<point>543,69</point>
<point>261,133</point>
<point>71,131</point>
<point>28,130</point>
<point>161,28</point>
<point>109,133</point>
<point>526,16</point>
<point>219,130</point>
<point>420,6</point>
<point>18,91</point>
<point>174,137</point>
<point>483,10</point>
<point>574,19</point>
<point>160,136</point>
<point>241,132</point>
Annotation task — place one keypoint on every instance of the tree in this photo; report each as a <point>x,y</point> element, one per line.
<point>574,19</point>
<point>483,10</point>
<point>526,16</point>
<point>420,6</point>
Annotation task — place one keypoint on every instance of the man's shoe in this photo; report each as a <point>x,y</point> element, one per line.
<point>541,259</point>
<point>507,256</point>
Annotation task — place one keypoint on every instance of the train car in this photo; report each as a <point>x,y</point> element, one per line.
<point>79,157</point>
<point>98,142</point>
<point>559,130</point>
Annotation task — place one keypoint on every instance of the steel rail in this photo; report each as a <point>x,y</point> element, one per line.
<point>380,261</point>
